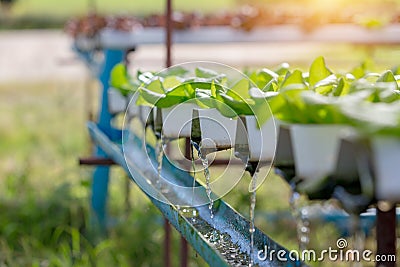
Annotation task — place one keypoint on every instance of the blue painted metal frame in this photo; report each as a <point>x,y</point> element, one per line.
<point>101,173</point>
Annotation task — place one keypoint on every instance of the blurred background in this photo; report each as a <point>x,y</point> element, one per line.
<point>47,94</point>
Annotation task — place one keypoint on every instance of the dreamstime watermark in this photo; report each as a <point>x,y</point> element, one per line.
<point>340,253</point>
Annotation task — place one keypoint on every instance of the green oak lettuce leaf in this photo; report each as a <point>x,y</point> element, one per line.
<point>158,95</point>
<point>272,86</point>
<point>282,69</point>
<point>169,97</point>
<point>306,107</point>
<point>320,109</point>
<point>204,99</point>
<point>396,70</point>
<point>237,98</point>
<point>210,75</point>
<point>171,82</point>
<point>261,108</point>
<point>293,80</point>
<point>155,94</point>
<point>320,78</point>
<point>151,93</point>
<point>120,79</point>
<point>342,88</point>
<point>177,71</point>
<point>284,104</point>
<point>383,90</point>
<point>263,77</point>
<point>374,118</point>
<point>363,69</point>
<point>327,85</point>
<point>389,80</point>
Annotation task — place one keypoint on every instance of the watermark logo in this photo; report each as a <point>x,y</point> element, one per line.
<point>340,253</point>
<point>341,243</point>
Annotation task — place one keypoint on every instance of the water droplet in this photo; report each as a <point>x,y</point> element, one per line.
<point>305,229</point>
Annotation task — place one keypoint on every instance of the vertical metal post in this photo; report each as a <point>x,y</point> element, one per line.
<point>184,244</point>
<point>386,232</point>
<point>184,252</point>
<point>168,34</point>
<point>168,62</point>
<point>167,243</point>
<point>101,173</point>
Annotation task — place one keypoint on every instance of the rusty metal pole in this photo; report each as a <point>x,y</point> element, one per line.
<point>167,243</point>
<point>184,243</point>
<point>168,63</point>
<point>386,233</point>
<point>168,33</point>
<point>184,252</point>
<point>168,39</point>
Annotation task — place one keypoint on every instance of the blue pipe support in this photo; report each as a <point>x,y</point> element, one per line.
<point>101,173</point>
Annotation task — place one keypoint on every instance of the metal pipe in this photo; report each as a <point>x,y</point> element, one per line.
<point>386,232</point>
<point>184,252</point>
<point>168,29</point>
<point>167,243</point>
<point>96,161</point>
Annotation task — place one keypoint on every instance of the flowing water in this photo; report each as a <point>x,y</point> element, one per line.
<point>223,243</point>
<point>302,221</point>
<point>192,147</point>
<point>204,162</point>
<point>253,198</point>
<point>160,146</point>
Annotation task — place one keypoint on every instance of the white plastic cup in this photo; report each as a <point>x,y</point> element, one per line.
<point>177,120</point>
<point>217,131</point>
<point>144,112</point>
<point>386,157</point>
<point>262,141</point>
<point>116,101</point>
<point>133,109</point>
<point>315,149</point>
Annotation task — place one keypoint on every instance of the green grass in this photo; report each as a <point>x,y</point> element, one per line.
<point>138,7</point>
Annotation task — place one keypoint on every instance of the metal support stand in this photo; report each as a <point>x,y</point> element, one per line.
<point>386,233</point>
<point>184,252</point>
<point>101,173</point>
<point>168,40</point>
<point>167,243</point>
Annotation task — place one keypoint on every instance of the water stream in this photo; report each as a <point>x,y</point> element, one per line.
<point>302,220</point>
<point>253,198</point>
<point>204,163</point>
<point>160,146</point>
<point>192,148</point>
<point>223,243</point>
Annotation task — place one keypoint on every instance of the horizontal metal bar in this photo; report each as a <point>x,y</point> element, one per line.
<point>229,226</point>
<point>96,161</point>
<point>331,33</point>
